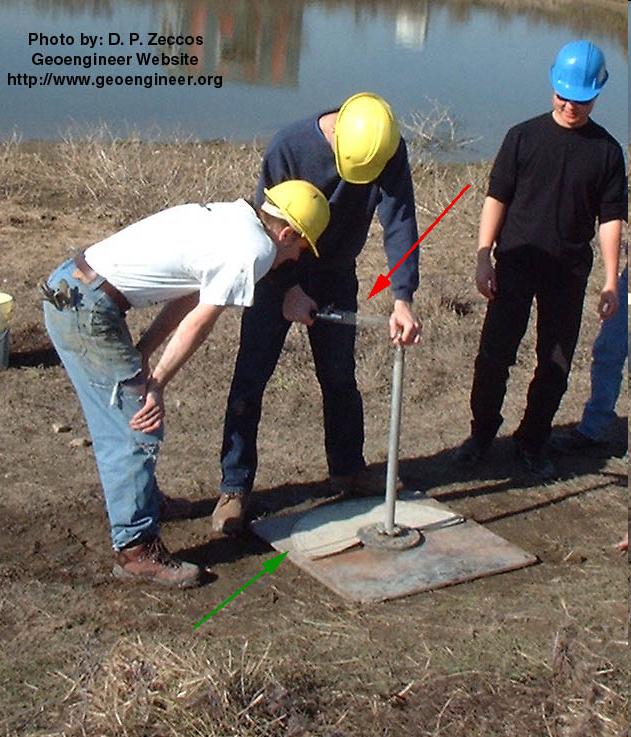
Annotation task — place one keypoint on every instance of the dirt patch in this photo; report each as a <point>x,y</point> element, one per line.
<point>30,346</point>
<point>537,652</point>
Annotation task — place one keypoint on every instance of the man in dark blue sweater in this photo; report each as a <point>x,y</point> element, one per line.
<point>357,158</point>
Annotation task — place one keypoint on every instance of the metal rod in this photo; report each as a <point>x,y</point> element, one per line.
<point>345,317</point>
<point>393,442</point>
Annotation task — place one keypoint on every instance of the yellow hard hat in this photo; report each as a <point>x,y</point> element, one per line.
<point>303,206</point>
<point>366,137</point>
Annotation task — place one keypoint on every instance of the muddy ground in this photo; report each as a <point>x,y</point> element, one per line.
<point>538,652</point>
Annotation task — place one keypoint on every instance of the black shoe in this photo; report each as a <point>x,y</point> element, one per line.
<point>572,441</point>
<point>536,463</point>
<point>471,452</point>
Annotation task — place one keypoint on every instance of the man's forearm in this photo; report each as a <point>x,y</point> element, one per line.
<point>491,219</point>
<point>609,235</point>
<point>189,335</point>
<point>165,323</point>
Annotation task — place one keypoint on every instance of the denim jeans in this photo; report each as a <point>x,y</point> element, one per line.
<point>559,288</point>
<point>91,336</point>
<point>609,353</point>
<point>263,333</point>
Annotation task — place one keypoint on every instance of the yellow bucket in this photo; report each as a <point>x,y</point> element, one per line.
<point>6,308</point>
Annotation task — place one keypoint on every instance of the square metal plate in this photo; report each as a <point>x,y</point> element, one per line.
<point>448,556</point>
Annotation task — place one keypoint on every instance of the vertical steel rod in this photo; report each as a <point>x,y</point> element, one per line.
<point>393,442</point>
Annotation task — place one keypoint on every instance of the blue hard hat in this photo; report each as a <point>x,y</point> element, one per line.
<point>579,72</point>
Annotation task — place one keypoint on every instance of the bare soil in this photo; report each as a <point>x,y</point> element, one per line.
<point>539,652</point>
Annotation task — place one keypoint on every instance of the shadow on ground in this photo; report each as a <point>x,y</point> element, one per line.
<point>433,475</point>
<point>30,347</point>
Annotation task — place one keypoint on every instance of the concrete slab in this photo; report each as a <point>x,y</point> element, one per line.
<point>450,555</point>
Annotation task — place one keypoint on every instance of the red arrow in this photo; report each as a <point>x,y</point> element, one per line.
<point>384,281</point>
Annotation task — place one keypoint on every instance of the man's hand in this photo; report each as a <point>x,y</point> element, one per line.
<point>491,220</point>
<point>150,417</point>
<point>404,325</point>
<point>608,303</point>
<point>485,279</point>
<point>298,306</point>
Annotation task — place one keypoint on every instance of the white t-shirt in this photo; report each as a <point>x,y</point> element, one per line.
<point>220,249</point>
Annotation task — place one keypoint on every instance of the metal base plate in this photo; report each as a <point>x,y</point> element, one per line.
<point>450,555</point>
<point>375,536</point>
<point>332,528</point>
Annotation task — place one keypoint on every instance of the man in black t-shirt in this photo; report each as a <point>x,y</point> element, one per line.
<point>553,177</point>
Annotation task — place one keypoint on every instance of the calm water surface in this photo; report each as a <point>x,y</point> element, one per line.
<point>278,60</point>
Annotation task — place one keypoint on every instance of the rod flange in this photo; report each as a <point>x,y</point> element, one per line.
<point>400,538</point>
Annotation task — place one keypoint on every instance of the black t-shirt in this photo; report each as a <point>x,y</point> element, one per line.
<point>555,182</point>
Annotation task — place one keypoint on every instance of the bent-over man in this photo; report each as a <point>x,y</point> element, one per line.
<point>198,259</point>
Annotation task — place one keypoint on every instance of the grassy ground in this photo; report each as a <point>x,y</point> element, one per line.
<point>540,652</point>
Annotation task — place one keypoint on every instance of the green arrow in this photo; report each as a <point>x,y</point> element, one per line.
<point>268,567</point>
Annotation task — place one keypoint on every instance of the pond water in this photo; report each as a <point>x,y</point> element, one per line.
<point>251,66</point>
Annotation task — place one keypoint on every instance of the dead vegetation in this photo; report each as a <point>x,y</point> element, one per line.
<point>141,687</point>
<point>126,177</point>
<point>13,167</point>
<point>131,177</point>
<point>152,690</point>
<point>433,133</point>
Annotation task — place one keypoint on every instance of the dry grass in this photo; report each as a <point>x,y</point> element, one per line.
<point>127,178</point>
<point>12,167</point>
<point>149,689</point>
<point>146,688</point>
<point>433,132</point>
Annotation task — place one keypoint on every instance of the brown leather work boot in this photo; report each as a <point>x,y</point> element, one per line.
<point>174,508</point>
<point>229,513</point>
<point>365,482</point>
<point>152,562</point>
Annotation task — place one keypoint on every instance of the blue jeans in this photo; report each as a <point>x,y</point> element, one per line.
<point>609,353</point>
<point>263,333</point>
<point>91,336</point>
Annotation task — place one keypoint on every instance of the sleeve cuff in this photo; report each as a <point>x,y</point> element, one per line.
<point>612,212</point>
<point>500,194</point>
<point>403,293</point>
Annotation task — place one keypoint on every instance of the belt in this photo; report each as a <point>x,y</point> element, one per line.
<point>109,289</point>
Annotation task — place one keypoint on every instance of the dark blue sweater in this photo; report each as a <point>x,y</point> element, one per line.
<point>300,151</point>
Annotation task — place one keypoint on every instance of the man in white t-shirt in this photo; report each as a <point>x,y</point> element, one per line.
<point>197,260</point>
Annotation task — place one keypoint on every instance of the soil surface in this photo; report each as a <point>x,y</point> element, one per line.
<point>537,651</point>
